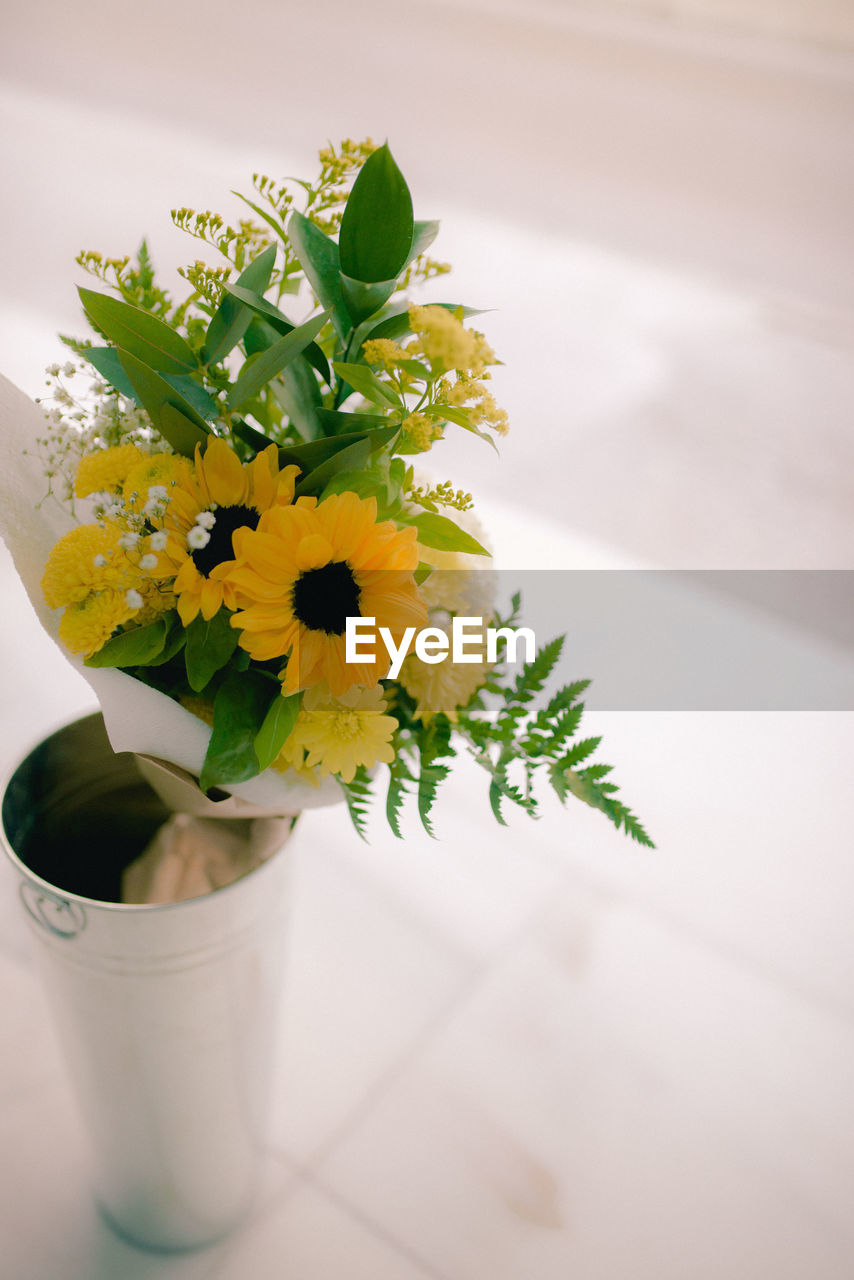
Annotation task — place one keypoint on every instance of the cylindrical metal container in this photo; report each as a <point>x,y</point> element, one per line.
<point>166,1013</point>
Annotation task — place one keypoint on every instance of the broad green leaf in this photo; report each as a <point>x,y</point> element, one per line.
<point>442,534</point>
<point>297,392</point>
<point>250,435</point>
<point>173,416</point>
<point>106,361</point>
<point>195,395</point>
<point>277,728</point>
<point>230,320</point>
<point>240,708</point>
<point>281,324</point>
<point>209,647</point>
<point>377,225</point>
<point>333,421</point>
<point>311,455</point>
<point>423,235</point>
<point>366,382</point>
<point>368,482</point>
<point>258,337</point>
<point>365,300</point>
<point>134,648</point>
<point>318,257</point>
<point>353,457</point>
<point>143,335</point>
<point>270,362</point>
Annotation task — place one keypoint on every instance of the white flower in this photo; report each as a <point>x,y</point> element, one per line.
<point>148,562</point>
<point>157,492</point>
<point>159,540</point>
<point>134,599</point>
<point>206,519</point>
<point>129,541</point>
<point>99,561</point>
<point>198,538</point>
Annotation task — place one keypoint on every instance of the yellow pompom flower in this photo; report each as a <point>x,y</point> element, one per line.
<point>105,470</point>
<point>85,627</point>
<point>442,687</point>
<point>305,570</point>
<point>418,433</point>
<point>383,352</point>
<point>88,558</point>
<point>154,470</point>
<point>339,734</point>
<point>222,498</point>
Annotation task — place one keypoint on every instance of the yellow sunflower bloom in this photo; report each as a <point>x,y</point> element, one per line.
<point>339,734</point>
<point>305,570</point>
<point>205,511</point>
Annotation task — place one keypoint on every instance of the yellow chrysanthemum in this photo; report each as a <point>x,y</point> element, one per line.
<point>105,470</point>
<point>444,338</point>
<point>441,687</point>
<point>292,760</point>
<point>339,734</point>
<point>88,558</point>
<point>222,497</point>
<point>153,470</point>
<point>309,567</point>
<point>86,626</point>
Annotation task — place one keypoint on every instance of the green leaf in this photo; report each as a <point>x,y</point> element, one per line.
<point>358,794</point>
<point>377,225</point>
<point>277,728</point>
<point>249,435</point>
<point>367,482</point>
<point>240,708</point>
<point>230,320</point>
<point>106,361</point>
<point>334,421</point>
<point>367,384</point>
<point>263,213</point>
<point>365,300</point>
<point>270,362</point>
<point>398,775</point>
<point>143,335</point>
<point>134,648</point>
<point>311,455</point>
<point>444,535</point>
<point>280,322</point>
<point>209,647</point>
<point>318,257</point>
<point>351,454</point>
<point>423,235</point>
<point>196,397</point>
<point>158,397</point>
<point>297,392</point>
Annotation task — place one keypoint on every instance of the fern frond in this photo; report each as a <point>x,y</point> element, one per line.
<point>358,797</point>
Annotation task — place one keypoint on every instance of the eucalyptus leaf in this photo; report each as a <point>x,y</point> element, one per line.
<point>250,435</point>
<point>363,300</point>
<point>377,225</point>
<point>354,457</point>
<point>334,421</point>
<point>270,362</point>
<point>195,396</point>
<point>209,647</point>
<point>240,708</point>
<point>135,648</point>
<point>311,455</point>
<point>318,257</point>
<point>367,384</point>
<point>230,320</point>
<point>277,728</point>
<point>423,235</point>
<point>142,334</point>
<point>281,324</point>
<point>444,535</point>
<point>106,361</point>
<point>297,392</point>
<point>173,415</point>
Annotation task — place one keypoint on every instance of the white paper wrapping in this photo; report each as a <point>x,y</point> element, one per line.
<point>137,718</point>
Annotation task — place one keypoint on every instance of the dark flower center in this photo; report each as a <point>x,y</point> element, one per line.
<point>219,547</point>
<point>325,598</point>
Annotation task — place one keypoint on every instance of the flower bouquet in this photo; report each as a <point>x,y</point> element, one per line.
<point>275,609</point>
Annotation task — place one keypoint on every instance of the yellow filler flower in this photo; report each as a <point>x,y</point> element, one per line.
<point>204,513</point>
<point>309,567</point>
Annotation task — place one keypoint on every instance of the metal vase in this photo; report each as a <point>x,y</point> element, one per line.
<point>167,1014</point>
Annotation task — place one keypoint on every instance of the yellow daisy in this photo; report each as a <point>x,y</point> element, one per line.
<point>339,734</point>
<point>206,510</point>
<point>305,570</point>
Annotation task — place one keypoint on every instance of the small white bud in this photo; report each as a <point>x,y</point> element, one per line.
<point>159,540</point>
<point>198,538</point>
<point>206,519</point>
<point>157,492</point>
<point>148,561</point>
<point>133,599</point>
<point>128,541</point>
<point>99,561</point>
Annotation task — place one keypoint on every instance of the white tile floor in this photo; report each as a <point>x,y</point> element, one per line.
<point>533,1053</point>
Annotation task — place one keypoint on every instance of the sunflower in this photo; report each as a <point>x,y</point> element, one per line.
<point>205,510</point>
<point>305,570</point>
